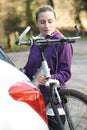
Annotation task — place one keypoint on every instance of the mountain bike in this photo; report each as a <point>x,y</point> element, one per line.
<point>74,102</point>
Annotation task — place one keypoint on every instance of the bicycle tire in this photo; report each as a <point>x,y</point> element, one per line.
<point>75,106</point>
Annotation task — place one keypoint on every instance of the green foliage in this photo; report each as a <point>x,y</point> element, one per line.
<point>83,4</point>
<point>30,6</point>
<point>12,21</point>
<point>19,14</point>
<point>14,48</point>
<point>51,3</point>
<point>79,6</point>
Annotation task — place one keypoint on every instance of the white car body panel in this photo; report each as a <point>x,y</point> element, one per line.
<point>15,115</point>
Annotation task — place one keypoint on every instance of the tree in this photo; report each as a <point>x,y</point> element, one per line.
<point>51,3</point>
<point>79,6</point>
<point>30,4</point>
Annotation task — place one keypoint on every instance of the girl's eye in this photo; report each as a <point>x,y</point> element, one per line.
<point>42,21</point>
<point>50,21</point>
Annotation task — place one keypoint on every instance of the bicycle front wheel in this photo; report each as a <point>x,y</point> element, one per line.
<point>75,106</point>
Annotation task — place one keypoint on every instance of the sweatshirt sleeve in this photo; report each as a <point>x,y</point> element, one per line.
<point>65,54</point>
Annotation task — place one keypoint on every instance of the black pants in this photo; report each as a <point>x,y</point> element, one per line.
<point>53,125</point>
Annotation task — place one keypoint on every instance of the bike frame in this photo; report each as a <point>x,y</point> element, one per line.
<point>52,86</point>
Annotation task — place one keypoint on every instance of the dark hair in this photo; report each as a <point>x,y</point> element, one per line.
<point>44,8</point>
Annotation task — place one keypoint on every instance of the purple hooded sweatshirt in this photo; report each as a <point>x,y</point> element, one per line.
<point>59,59</point>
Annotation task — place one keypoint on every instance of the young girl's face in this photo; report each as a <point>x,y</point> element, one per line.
<point>46,23</point>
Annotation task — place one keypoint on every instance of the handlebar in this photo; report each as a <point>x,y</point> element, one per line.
<point>40,41</point>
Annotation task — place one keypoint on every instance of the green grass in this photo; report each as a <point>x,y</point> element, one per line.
<point>17,48</point>
<point>14,47</point>
<point>83,38</point>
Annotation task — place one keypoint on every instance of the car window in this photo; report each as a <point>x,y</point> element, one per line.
<point>4,57</point>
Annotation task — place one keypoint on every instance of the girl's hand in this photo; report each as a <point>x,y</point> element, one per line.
<point>41,79</point>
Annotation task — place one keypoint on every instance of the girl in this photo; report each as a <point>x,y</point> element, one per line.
<point>58,56</point>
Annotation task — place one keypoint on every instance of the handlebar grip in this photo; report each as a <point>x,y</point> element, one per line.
<point>28,42</point>
<point>70,40</point>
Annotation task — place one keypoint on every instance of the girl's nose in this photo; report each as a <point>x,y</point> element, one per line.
<point>46,24</point>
